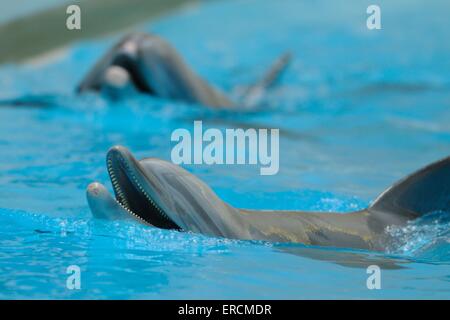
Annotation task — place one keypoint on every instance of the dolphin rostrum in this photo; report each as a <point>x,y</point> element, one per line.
<point>166,196</point>
<point>148,64</point>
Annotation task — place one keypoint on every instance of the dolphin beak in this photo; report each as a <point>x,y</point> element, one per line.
<point>133,189</point>
<point>102,204</point>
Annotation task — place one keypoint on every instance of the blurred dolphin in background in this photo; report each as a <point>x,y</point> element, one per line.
<point>148,64</point>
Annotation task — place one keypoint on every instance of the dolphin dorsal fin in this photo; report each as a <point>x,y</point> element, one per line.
<point>422,192</point>
<point>255,93</point>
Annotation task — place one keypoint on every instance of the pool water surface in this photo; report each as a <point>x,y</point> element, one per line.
<point>357,110</point>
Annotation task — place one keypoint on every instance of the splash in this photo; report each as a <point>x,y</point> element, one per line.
<point>423,237</point>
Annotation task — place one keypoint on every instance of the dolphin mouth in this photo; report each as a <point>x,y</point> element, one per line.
<point>129,185</point>
<point>137,77</point>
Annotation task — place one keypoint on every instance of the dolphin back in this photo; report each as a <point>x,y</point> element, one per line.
<point>427,190</point>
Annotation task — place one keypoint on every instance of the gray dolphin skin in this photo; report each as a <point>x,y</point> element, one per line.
<point>152,66</point>
<point>166,196</point>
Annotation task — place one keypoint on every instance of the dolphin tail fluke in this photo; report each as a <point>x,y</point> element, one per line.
<point>256,92</point>
<point>425,191</point>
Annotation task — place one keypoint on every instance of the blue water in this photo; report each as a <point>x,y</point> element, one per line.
<point>357,110</point>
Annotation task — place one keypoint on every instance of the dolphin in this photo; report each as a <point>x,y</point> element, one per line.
<point>150,65</point>
<point>164,195</point>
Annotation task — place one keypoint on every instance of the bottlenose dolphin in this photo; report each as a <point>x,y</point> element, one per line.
<point>164,195</point>
<point>149,64</point>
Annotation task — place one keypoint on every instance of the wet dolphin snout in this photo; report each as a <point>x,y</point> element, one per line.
<point>102,203</point>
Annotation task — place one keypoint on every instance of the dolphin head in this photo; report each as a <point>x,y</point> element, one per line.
<point>166,196</point>
<point>148,64</point>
